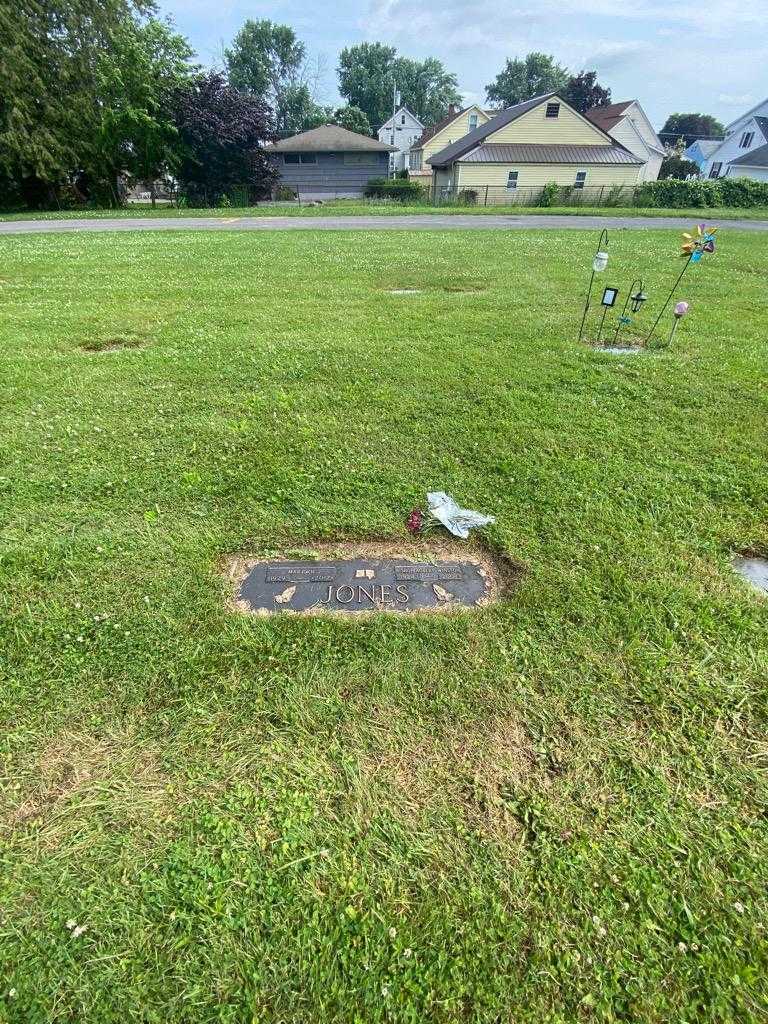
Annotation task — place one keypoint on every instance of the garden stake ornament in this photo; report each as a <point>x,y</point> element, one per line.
<point>608,301</point>
<point>694,247</point>
<point>599,263</point>
<point>637,297</point>
<point>680,310</point>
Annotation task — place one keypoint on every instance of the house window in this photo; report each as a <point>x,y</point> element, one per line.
<point>360,159</point>
<point>581,177</point>
<point>309,158</point>
<point>746,140</point>
<point>512,180</point>
<point>472,122</point>
<point>714,170</point>
<point>553,110</point>
<point>290,158</point>
<point>414,160</point>
<point>402,119</point>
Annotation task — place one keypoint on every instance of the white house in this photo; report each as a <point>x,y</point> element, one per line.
<point>628,125</point>
<point>743,153</point>
<point>401,131</point>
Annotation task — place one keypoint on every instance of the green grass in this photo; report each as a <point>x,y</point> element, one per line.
<point>350,207</point>
<point>553,809</point>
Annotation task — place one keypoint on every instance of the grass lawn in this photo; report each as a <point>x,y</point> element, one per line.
<point>552,809</point>
<point>350,207</point>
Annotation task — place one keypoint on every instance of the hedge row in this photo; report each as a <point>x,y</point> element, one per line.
<point>397,188</point>
<point>673,192</point>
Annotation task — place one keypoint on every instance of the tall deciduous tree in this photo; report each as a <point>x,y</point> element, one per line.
<point>223,132</point>
<point>353,119</point>
<point>49,104</point>
<point>690,127</point>
<point>137,80</point>
<point>369,72</point>
<point>583,92</point>
<point>264,60</point>
<point>521,79</point>
<point>426,88</point>
<point>366,78</point>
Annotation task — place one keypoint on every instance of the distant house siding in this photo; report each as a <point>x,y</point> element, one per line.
<point>532,176</point>
<point>456,130</point>
<point>565,129</point>
<point>342,174</point>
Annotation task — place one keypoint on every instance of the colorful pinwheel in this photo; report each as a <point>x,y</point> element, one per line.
<point>695,245</point>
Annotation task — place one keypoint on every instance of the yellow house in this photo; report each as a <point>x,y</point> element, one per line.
<point>455,126</point>
<point>510,157</point>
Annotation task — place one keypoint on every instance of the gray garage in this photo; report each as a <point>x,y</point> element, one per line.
<point>330,162</point>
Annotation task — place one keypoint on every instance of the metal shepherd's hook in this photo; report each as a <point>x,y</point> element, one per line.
<point>600,262</point>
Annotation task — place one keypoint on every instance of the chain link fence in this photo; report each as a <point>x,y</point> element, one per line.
<point>543,195</point>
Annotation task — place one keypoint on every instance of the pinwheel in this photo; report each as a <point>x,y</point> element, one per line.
<point>695,245</point>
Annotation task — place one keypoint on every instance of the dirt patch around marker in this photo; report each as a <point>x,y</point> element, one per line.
<point>114,344</point>
<point>502,575</point>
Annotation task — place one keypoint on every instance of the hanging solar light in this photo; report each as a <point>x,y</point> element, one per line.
<point>637,300</point>
<point>600,262</point>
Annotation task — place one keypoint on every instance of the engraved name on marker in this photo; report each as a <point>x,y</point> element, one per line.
<point>428,573</point>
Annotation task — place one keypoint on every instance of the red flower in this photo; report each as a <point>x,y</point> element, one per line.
<point>415,520</point>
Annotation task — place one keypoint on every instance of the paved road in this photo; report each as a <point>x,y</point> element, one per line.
<point>424,222</point>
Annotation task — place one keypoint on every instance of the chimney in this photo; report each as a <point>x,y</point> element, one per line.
<point>452,109</point>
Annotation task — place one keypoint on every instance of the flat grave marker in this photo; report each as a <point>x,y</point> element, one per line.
<point>354,585</point>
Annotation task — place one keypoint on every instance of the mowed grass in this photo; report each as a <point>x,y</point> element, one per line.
<point>365,208</point>
<point>552,809</point>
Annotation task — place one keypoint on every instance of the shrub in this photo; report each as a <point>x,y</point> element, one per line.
<point>743,192</point>
<point>677,194</point>
<point>284,194</point>
<point>467,197</point>
<point>549,194</point>
<point>401,190</point>
<point>224,202</point>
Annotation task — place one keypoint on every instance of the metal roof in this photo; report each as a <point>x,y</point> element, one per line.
<point>329,138</point>
<point>756,158</point>
<point>474,138</point>
<point>548,153</point>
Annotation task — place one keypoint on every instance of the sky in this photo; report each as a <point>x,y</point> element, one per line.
<point>708,57</point>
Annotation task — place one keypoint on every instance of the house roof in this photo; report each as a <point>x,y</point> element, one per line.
<point>747,114</point>
<point>329,138</point>
<point>457,149</point>
<point>402,110</point>
<point>706,146</point>
<point>762,124</point>
<point>429,133</point>
<point>608,116</point>
<point>548,153</point>
<point>756,158</point>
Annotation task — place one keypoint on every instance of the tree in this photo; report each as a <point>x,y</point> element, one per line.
<point>297,111</point>
<point>675,166</point>
<point>426,88</point>
<point>264,60</point>
<point>49,103</point>
<point>690,127</point>
<point>583,92</point>
<point>521,79</point>
<point>353,119</point>
<point>369,73</point>
<point>366,79</point>
<point>222,131</point>
<point>137,79</point>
